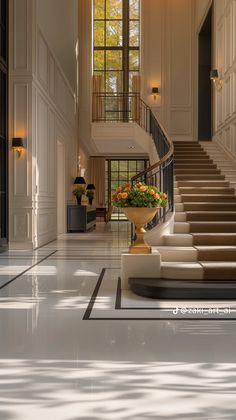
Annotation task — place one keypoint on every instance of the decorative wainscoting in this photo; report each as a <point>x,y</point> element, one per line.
<point>225,62</point>
<point>42,110</point>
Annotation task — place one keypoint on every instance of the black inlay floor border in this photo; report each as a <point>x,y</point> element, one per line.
<point>27,269</point>
<point>118,306</point>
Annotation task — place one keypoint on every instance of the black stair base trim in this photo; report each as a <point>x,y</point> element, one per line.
<point>183,289</point>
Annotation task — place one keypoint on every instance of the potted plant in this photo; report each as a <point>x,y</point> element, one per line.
<point>140,204</point>
<point>78,192</point>
<point>90,195</point>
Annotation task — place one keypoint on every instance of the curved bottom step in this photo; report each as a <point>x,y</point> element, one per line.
<point>186,289</point>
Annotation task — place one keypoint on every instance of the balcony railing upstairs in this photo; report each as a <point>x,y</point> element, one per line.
<point>122,107</point>
<point>115,107</point>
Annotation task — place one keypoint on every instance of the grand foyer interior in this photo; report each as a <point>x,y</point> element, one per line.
<point>54,286</point>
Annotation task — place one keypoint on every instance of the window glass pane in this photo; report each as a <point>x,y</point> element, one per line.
<point>131,174</point>
<point>123,177</point>
<point>140,165</point>
<point>132,85</point>
<point>114,176</point>
<point>134,60</point>
<point>98,60</point>
<point>113,9</point>
<point>114,82</point>
<point>114,185</point>
<point>114,165</point>
<point>99,38</point>
<point>99,9</point>
<point>123,165</point>
<point>132,165</point>
<point>134,9</point>
<point>100,83</point>
<point>134,34</point>
<point>113,33</point>
<point>113,60</point>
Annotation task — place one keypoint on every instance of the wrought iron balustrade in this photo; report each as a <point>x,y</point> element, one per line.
<point>116,107</point>
<point>161,174</point>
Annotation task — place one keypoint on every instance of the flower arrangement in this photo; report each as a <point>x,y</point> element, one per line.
<point>90,194</point>
<point>79,191</point>
<point>139,195</point>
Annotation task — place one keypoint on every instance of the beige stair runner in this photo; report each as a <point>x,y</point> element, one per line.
<point>205,216</point>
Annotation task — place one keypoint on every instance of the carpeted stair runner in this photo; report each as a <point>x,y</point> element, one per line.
<point>209,205</point>
<point>199,258</point>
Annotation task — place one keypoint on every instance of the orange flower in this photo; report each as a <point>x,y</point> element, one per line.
<point>164,195</point>
<point>127,189</point>
<point>124,195</point>
<point>143,188</point>
<point>119,195</point>
<point>118,189</point>
<point>113,196</point>
<point>127,185</point>
<point>157,196</point>
<point>152,192</point>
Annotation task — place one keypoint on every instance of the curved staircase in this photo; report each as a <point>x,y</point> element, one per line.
<point>199,258</point>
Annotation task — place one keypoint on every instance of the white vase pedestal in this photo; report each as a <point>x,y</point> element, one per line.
<point>140,265</point>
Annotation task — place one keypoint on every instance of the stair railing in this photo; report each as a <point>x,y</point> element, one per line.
<point>161,174</point>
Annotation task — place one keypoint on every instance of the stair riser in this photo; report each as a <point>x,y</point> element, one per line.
<point>210,198</point>
<point>220,273</point>
<point>215,255</point>
<point>188,172</point>
<point>200,177</point>
<point>209,207</point>
<point>220,240</point>
<point>211,228</point>
<point>202,166</point>
<point>209,218</point>
<point>202,183</point>
<point>204,190</point>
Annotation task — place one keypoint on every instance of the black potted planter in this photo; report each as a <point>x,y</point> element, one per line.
<point>78,198</point>
<point>90,201</point>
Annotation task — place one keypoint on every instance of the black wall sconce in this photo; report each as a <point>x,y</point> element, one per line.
<point>17,145</point>
<point>155,92</point>
<point>214,76</point>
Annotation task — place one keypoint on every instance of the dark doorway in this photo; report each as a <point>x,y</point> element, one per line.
<point>204,83</point>
<point>3,124</point>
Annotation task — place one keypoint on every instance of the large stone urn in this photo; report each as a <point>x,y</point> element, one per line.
<point>140,216</point>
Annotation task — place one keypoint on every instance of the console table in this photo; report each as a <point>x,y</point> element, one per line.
<point>80,218</point>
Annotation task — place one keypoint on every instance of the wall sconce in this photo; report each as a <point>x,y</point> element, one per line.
<point>79,180</point>
<point>214,76</point>
<point>155,92</point>
<point>17,145</point>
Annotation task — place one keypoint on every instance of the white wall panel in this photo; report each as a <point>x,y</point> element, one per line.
<point>20,13</point>
<point>180,53</point>
<point>21,226</point>
<point>39,118</point>
<point>42,143</point>
<point>181,122</point>
<point>51,76</point>
<point>42,65</point>
<point>20,129</point>
<point>225,58</point>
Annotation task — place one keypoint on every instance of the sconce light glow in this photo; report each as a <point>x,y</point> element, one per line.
<point>17,145</point>
<point>155,92</point>
<point>214,76</point>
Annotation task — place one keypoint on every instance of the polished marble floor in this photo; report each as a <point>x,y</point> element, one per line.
<point>71,348</point>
